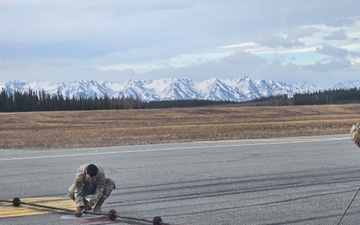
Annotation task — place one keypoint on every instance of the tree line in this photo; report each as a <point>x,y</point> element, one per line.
<point>41,101</point>
<point>31,101</point>
<point>338,96</point>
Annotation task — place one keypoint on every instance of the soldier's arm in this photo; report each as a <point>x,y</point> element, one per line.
<point>100,186</point>
<point>79,189</point>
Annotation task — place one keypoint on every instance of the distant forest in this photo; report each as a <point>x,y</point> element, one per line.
<point>31,101</point>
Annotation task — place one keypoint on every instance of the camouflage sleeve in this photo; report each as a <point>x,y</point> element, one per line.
<point>100,185</point>
<point>355,133</point>
<point>79,188</point>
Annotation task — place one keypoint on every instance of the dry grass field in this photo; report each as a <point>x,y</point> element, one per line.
<point>77,129</point>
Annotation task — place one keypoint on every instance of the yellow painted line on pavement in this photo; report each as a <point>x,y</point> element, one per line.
<point>8,210</point>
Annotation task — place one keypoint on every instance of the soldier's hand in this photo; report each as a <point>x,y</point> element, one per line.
<point>78,211</point>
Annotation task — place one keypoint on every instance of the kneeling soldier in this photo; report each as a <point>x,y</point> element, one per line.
<point>90,180</point>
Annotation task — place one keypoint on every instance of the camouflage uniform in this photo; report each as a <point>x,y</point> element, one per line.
<point>100,186</point>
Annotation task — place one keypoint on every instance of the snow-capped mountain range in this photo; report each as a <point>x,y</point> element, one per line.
<point>240,90</point>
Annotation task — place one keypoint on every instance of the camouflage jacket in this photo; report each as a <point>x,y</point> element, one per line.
<point>84,187</point>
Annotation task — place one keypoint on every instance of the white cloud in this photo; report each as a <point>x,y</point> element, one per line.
<point>302,32</point>
<point>330,65</point>
<point>333,51</point>
<point>277,41</point>
<point>337,35</point>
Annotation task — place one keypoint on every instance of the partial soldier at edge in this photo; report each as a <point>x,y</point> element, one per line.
<point>355,133</point>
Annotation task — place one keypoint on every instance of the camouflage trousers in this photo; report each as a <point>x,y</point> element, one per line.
<point>90,190</point>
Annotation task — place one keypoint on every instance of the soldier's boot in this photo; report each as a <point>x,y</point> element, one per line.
<point>79,211</point>
<point>87,204</point>
<point>97,207</point>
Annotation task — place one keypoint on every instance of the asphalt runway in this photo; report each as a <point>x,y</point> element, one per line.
<point>302,180</point>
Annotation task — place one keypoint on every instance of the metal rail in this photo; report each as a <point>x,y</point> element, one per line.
<point>112,213</point>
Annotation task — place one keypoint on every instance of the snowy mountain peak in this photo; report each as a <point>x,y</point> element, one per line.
<point>239,89</point>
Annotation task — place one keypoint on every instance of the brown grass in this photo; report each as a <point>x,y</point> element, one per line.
<point>75,129</point>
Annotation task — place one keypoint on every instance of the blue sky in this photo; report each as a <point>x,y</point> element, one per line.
<point>290,41</point>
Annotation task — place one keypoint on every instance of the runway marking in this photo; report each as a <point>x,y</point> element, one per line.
<point>7,210</point>
<point>253,142</point>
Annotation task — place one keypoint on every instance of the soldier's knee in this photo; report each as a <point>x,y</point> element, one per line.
<point>71,192</point>
<point>71,195</point>
<point>110,183</point>
<point>109,186</point>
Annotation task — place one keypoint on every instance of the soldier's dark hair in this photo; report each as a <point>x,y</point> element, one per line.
<point>92,170</point>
